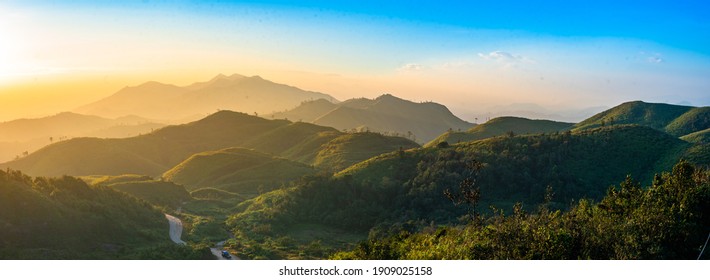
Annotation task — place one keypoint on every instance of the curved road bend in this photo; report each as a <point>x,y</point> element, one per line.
<point>176,233</point>
<point>175,229</point>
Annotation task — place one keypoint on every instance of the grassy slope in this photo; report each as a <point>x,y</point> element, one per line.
<point>236,170</point>
<point>696,119</point>
<point>158,193</point>
<point>655,115</point>
<point>308,111</point>
<point>702,136</point>
<point>297,141</point>
<point>349,149</point>
<point>501,126</point>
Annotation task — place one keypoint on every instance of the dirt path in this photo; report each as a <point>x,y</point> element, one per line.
<point>217,251</point>
<point>175,229</point>
<point>176,233</point>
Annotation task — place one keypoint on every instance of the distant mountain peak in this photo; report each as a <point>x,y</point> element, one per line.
<point>153,84</point>
<point>232,77</point>
<point>235,92</point>
<point>388,96</point>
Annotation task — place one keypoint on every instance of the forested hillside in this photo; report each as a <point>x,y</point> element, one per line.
<point>64,218</point>
<point>667,220</point>
<point>409,186</point>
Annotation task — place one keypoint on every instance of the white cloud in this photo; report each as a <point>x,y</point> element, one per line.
<point>411,67</point>
<point>506,58</point>
<point>655,59</point>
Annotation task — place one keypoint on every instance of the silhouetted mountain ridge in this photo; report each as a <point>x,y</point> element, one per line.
<point>236,92</point>
<point>386,114</point>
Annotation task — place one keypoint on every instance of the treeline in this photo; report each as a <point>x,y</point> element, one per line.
<point>670,219</point>
<point>64,218</point>
<point>407,187</point>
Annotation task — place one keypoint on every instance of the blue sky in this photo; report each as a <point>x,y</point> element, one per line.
<point>473,56</point>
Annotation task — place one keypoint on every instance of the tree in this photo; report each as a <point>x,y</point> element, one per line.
<point>469,193</point>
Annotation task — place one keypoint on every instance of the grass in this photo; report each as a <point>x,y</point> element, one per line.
<point>236,170</point>
<point>501,126</point>
<point>349,149</point>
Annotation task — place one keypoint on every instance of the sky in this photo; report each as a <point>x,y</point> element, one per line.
<point>476,57</point>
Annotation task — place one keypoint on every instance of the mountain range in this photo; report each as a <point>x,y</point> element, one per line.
<point>320,176</point>
<point>387,114</point>
<point>236,92</point>
<point>157,152</point>
<point>27,135</point>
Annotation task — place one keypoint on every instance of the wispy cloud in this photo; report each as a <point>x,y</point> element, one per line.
<point>654,58</point>
<point>506,59</point>
<point>411,67</point>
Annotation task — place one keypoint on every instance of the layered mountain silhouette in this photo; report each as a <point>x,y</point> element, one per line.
<point>28,135</point>
<point>236,92</point>
<point>157,152</point>
<point>387,114</point>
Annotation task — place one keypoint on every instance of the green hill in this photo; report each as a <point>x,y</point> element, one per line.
<point>398,187</point>
<point>349,149</point>
<point>158,193</point>
<point>64,218</point>
<point>696,119</point>
<point>702,136</point>
<point>213,194</point>
<point>297,141</point>
<point>674,119</point>
<point>501,126</point>
<point>308,111</point>
<point>236,170</point>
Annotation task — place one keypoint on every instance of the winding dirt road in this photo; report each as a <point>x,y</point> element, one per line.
<point>217,251</point>
<point>176,233</point>
<point>175,229</point>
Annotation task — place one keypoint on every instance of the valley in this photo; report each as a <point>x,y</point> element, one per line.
<point>358,179</point>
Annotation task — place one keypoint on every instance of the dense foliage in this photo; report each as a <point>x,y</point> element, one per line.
<point>668,220</point>
<point>407,187</point>
<point>59,218</point>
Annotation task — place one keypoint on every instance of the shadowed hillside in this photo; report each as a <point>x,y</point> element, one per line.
<point>154,153</point>
<point>64,218</point>
<point>28,135</point>
<point>159,193</point>
<point>386,114</point>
